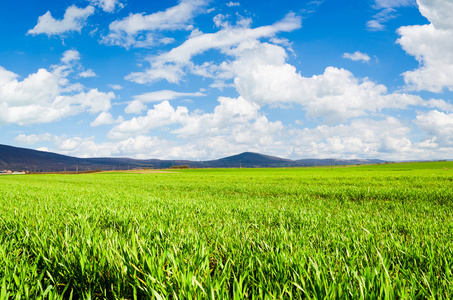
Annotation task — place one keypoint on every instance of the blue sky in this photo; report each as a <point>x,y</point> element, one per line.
<point>200,79</point>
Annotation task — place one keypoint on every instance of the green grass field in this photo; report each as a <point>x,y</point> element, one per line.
<point>368,232</point>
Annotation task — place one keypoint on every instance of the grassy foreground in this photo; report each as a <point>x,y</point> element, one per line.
<point>351,233</point>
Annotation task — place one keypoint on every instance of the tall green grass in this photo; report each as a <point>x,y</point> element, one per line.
<point>349,233</point>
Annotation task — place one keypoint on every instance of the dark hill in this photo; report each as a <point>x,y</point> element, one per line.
<point>249,160</point>
<point>16,159</point>
<point>22,159</point>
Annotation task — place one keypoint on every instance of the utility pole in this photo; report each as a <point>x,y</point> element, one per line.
<point>77,169</point>
<point>240,164</point>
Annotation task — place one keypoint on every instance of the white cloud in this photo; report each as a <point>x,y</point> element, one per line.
<point>74,19</point>
<point>70,55</point>
<point>357,56</point>
<point>394,3</point>
<point>230,111</point>
<point>385,15</point>
<point>160,96</point>
<point>431,45</point>
<point>47,96</point>
<point>362,138</point>
<point>261,75</point>
<point>439,104</point>
<point>135,107</point>
<point>163,114</point>
<point>115,87</point>
<point>87,73</point>
<point>138,30</point>
<point>93,101</point>
<point>231,4</point>
<point>140,147</point>
<point>108,5</point>
<point>219,84</point>
<point>36,88</point>
<point>438,126</point>
<point>224,39</point>
<point>171,73</point>
<point>105,118</point>
<point>32,139</point>
<point>221,21</point>
<point>170,65</point>
<point>6,76</point>
<point>438,12</point>
<point>236,126</point>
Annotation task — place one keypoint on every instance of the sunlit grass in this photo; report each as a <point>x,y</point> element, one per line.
<point>357,233</point>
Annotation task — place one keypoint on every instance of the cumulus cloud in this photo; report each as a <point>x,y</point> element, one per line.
<point>74,19</point>
<point>140,147</point>
<point>6,76</point>
<point>236,126</point>
<point>361,138</point>
<point>438,12</point>
<point>138,30</point>
<point>47,95</point>
<point>161,115</point>
<point>357,56</point>
<point>261,75</point>
<point>437,125</point>
<point>431,45</point>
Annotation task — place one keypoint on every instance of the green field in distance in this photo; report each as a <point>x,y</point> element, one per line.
<point>362,232</point>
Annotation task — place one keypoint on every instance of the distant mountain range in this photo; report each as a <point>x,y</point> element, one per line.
<point>22,159</point>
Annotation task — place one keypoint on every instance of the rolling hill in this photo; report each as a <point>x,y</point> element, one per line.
<point>22,159</point>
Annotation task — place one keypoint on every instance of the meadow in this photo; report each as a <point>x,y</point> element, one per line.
<point>362,232</point>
